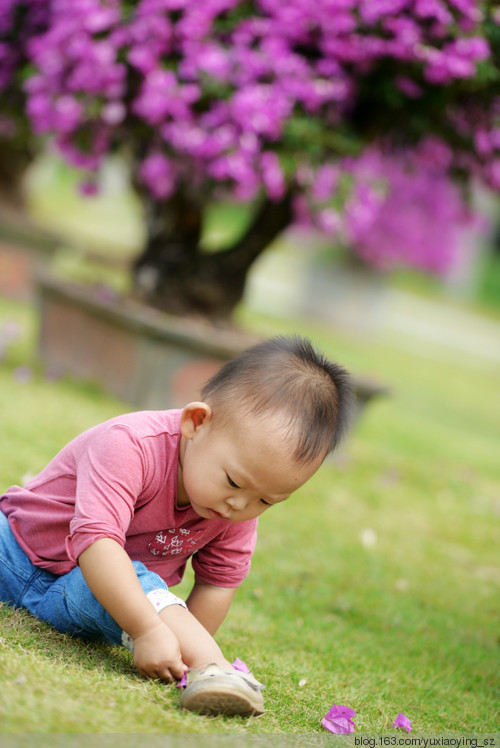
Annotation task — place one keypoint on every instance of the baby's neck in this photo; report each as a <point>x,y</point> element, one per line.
<point>182,497</point>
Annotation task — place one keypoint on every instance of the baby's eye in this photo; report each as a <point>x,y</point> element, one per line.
<point>266,503</point>
<point>231,482</point>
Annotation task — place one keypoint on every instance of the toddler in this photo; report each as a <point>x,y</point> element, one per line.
<point>92,544</point>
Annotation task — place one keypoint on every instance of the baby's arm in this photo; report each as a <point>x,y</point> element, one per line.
<point>111,577</point>
<point>210,604</point>
<point>165,643</point>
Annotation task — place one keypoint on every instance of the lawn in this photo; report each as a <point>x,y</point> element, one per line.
<point>376,586</point>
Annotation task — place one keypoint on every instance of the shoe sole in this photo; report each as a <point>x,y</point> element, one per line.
<point>217,698</point>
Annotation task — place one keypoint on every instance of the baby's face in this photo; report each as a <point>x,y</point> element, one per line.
<point>239,470</point>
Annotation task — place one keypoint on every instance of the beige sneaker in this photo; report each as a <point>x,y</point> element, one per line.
<point>216,691</point>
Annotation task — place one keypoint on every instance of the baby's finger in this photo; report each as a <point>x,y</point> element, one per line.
<point>177,670</point>
<point>164,675</point>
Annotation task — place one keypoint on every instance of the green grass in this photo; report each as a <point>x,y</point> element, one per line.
<point>489,281</point>
<point>408,623</point>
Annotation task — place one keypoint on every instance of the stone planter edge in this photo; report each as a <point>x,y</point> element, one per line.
<point>145,357</point>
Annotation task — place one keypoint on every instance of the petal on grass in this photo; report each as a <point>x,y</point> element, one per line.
<point>52,374</point>
<point>183,681</point>
<point>237,664</point>
<point>403,722</point>
<point>11,331</point>
<point>23,374</point>
<point>240,665</point>
<point>338,720</point>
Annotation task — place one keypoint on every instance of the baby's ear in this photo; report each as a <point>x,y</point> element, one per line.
<point>193,416</point>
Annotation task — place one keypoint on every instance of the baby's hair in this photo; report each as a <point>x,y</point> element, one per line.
<point>286,375</point>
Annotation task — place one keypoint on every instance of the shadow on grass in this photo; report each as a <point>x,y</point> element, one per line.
<point>23,631</point>
<point>56,683</point>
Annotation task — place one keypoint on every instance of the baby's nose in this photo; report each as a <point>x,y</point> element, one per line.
<point>237,503</point>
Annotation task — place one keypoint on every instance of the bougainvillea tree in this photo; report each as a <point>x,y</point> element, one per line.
<point>365,117</point>
<point>19,23</point>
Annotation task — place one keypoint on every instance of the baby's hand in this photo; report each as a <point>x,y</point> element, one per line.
<point>157,654</point>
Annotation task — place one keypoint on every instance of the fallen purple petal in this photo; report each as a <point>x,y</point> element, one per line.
<point>23,374</point>
<point>403,722</point>
<point>240,665</point>
<point>52,374</point>
<point>89,188</point>
<point>339,720</point>
<point>11,330</point>
<point>237,664</point>
<point>106,293</point>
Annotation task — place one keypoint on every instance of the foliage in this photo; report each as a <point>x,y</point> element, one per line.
<point>19,24</point>
<point>268,98</point>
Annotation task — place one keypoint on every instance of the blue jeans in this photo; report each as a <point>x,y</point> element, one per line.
<point>65,601</point>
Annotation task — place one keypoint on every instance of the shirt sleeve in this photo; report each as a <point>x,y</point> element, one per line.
<point>225,560</point>
<point>109,479</point>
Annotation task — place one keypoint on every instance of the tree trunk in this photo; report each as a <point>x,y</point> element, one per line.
<point>174,274</point>
<point>15,158</point>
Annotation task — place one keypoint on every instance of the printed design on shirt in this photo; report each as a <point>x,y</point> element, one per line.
<point>176,541</point>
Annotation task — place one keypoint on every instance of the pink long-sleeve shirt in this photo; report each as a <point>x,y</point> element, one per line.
<point>119,480</point>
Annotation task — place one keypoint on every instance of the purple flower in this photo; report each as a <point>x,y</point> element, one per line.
<point>158,174</point>
<point>52,374</point>
<point>106,293</point>
<point>261,109</point>
<point>325,182</point>
<point>240,665</point>
<point>329,222</point>
<point>339,720</point>
<point>237,664</point>
<point>408,87</point>
<point>272,175</point>
<point>403,722</point>
<point>245,97</point>
<point>11,330</point>
<point>113,113</point>
<point>404,209</point>
<point>89,187</point>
